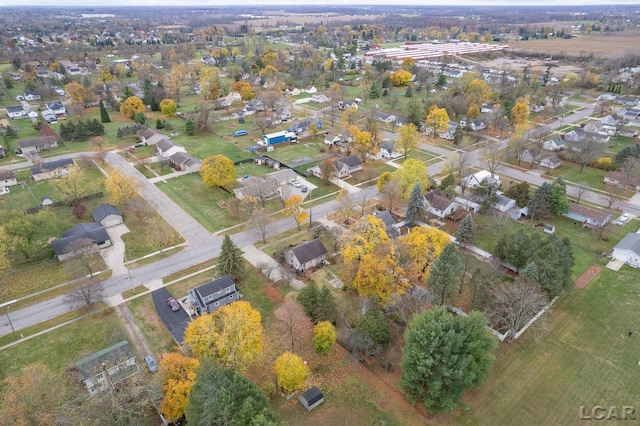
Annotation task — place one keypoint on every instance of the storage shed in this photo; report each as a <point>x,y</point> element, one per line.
<point>311,398</point>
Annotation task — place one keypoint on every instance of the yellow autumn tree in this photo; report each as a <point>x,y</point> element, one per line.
<point>367,235</point>
<point>363,141</point>
<point>293,207</point>
<point>120,187</point>
<point>217,170</point>
<point>178,374</point>
<point>78,93</point>
<point>520,112</point>
<point>324,337</point>
<point>408,64</point>
<point>473,112</point>
<point>291,371</point>
<point>378,275</point>
<point>210,82</point>
<point>232,335</point>
<point>168,107</point>
<point>245,90</point>
<point>131,106</point>
<point>437,120</point>
<point>409,138</point>
<point>413,171</point>
<point>417,251</point>
<point>401,78</point>
<point>476,91</point>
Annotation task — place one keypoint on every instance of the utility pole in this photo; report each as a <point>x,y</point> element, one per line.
<point>7,304</point>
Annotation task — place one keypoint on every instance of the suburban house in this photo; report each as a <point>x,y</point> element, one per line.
<point>579,134</point>
<point>57,108</point>
<point>150,136</point>
<point>449,133</point>
<point>304,125</point>
<point>342,105</point>
<point>210,296</point>
<point>628,250</point>
<point>477,124</point>
<point>84,237</point>
<point>31,96</point>
<point>550,163</point>
<point>230,99</point>
<point>306,255</point>
<point>107,215</point>
<point>387,150</point>
<point>530,155</point>
<point>52,169</point>
<point>310,89</point>
<point>166,148</point>
<point>622,180</point>
<point>347,165</point>
<point>7,178</point>
<point>283,177</point>
<point>628,132</point>
<point>14,112</point>
<point>587,216</point>
<point>595,127</point>
<point>320,98</point>
<point>555,144</point>
<point>467,204</point>
<point>311,398</point>
<point>391,226</point>
<point>331,139</point>
<point>253,106</point>
<point>103,370</point>
<point>41,143</point>
<point>476,179</point>
<point>186,162</point>
<point>257,187</point>
<point>610,122</point>
<point>439,205</point>
<point>503,203</point>
<point>385,117</point>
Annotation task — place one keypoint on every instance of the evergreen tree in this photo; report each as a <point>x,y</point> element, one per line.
<point>308,299</point>
<point>540,203</point>
<point>104,115</point>
<point>190,127</point>
<point>326,308</point>
<point>230,261</point>
<point>457,135</point>
<point>375,324</point>
<point>416,208</point>
<point>521,192</point>
<point>466,231</point>
<point>409,92</point>
<point>531,270</point>
<point>445,273</point>
<point>445,355</point>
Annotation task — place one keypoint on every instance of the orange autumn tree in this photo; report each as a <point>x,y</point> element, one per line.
<point>178,373</point>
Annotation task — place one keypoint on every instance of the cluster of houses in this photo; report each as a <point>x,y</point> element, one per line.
<point>55,111</point>
<point>167,149</point>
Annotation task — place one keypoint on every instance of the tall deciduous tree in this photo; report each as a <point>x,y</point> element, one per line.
<point>74,185</point>
<point>437,120</point>
<point>416,208</point>
<point>7,244</point>
<point>168,107</point>
<point>131,107</point>
<point>232,335</point>
<point>324,337</point>
<point>120,188</point>
<point>292,325</point>
<point>466,232</point>
<point>413,171</point>
<point>217,170</point>
<point>417,251</point>
<point>178,374</point>
<point>225,397</point>
<point>409,139</point>
<point>374,323</point>
<point>445,273</point>
<point>445,355</point>
<point>293,207</point>
<point>291,371</point>
<point>230,261</point>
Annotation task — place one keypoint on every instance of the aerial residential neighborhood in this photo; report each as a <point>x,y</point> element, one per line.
<point>389,214</point>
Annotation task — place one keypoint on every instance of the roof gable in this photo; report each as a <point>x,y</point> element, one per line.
<point>104,210</point>
<point>630,242</point>
<point>309,250</point>
<point>212,287</point>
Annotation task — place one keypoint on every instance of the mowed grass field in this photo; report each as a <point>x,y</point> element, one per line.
<point>599,44</point>
<point>544,378</point>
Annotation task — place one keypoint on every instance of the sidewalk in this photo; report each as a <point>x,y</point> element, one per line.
<point>351,189</point>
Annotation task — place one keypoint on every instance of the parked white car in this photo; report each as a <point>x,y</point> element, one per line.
<point>624,218</point>
<point>295,183</point>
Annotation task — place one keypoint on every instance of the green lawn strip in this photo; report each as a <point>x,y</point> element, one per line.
<point>60,348</point>
<point>571,172</point>
<point>545,376</point>
<point>149,235</point>
<point>148,321</point>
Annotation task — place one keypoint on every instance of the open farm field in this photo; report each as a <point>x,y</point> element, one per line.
<point>599,44</point>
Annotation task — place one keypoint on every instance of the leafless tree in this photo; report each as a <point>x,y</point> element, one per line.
<point>514,304</point>
<point>262,124</point>
<point>335,233</point>
<point>392,194</point>
<point>86,293</point>
<point>585,150</point>
<point>287,273</point>
<point>539,135</point>
<point>411,302</point>
<point>265,268</point>
<point>364,198</point>
<point>630,169</point>
<point>292,326</point>
<point>260,225</point>
<point>613,195</point>
<point>346,205</point>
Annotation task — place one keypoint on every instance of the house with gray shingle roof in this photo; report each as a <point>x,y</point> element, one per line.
<point>52,169</point>
<point>307,254</point>
<point>41,143</point>
<point>103,370</point>
<point>628,250</point>
<point>211,296</point>
<point>439,205</point>
<point>347,165</point>
<point>82,238</point>
<point>107,215</point>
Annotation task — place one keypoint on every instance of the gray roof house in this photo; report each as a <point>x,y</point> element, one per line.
<point>186,162</point>
<point>347,165</point>
<point>107,215</point>
<point>530,155</point>
<point>622,180</point>
<point>151,137</point>
<point>628,250</point>
<point>387,150</point>
<point>258,187</point>
<point>450,132</point>
<point>391,226</point>
<point>38,144</point>
<point>108,367</point>
<point>306,255</point>
<point>14,112</point>
<point>165,148</point>
<point>52,169</point>
<point>81,238</point>
<point>7,178</point>
<point>550,163</point>
<point>211,296</point>
<point>555,144</point>
<point>503,203</point>
<point>587,216</point>
<point>438,205</point>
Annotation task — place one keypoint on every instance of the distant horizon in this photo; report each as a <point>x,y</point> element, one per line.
<point>311,3</point>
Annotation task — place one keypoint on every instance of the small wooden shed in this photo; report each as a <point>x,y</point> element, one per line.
<point>311,398</point>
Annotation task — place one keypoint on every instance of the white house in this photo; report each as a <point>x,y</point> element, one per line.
<point>347,165</point>
<point>7,178</point>
<point>438,205</point>
<point>550,163</point>
<point>451,130</point>
<point>320,98</point>
<point>388,150</point>
<point>166,148</point>
<point>310,89</point>
<point>185,162</point>
<point>476,179</point>
<point>503,203</point>
<point>386,117</point>
<point>628,250</point>
<point>306,255</point>
<point>14,112</point>
<point>107,215</point>
<point>57,107</point>
<point>555,144</point>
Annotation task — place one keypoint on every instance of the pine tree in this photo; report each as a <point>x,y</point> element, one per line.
<point>531,270</point>
<point>190,127</point>
<point>326,308</point>
<point>230,261</point>
<point>308,298</point>
<point>416,206</point>
<point>466,231</point>
<point>445,273</point>
<point>104,114</point>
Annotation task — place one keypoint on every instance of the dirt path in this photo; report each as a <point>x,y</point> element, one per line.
<point>132,328</point>
<point>587,276</point>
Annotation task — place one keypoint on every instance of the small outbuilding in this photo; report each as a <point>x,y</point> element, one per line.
<point>107,215</point>
<point>311,398</point>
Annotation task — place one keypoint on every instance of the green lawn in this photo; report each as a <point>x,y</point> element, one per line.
<point>571,172</point>
<point>545,377</point>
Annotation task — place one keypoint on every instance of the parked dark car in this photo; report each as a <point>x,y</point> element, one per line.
<point>173,304</point>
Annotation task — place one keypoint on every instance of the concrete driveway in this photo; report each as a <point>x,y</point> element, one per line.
<point>114,256</point>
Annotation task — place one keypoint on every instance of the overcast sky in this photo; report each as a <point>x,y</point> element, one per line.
<point>111,3</point>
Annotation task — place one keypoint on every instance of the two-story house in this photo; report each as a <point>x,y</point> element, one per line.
<point>210,296</point>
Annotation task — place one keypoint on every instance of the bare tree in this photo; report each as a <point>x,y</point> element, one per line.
<point>585,150</point>
<point>613,195</point>
<point>335,233</point>
<point>580,189</point>
<point>292,326</point>
<point>346,205</point>
<point>364,198</point>
<point>492,157</point>
<point>262,124</point>
<point>392,194</point>
<point>514,304</point>
<point>260,224</point>
<point>411,302</point>
<point>86,293</point>
<point>265,268</point>
<point>287,273</point>
<point>630,169</point>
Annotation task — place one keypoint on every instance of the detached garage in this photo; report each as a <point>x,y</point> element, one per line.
<point>628,250</point>
<point>311,398</point>
<point>107,215</point>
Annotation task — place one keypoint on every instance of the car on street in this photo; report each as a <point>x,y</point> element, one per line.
<point>173,304</point>
<point>623,219</point>
<point>295,183</point>
<point>304,188</point>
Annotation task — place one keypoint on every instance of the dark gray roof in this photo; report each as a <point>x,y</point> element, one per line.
<point>350,161</point>
<point>312,396</point>
<point>88,232</point>
<point>51,165</point>
<point>166,144</point>
<point>92,365</point>
<point>630,242</point>
<point>55,105</point>
<point>215,286</point>
<point>104,210</point>
<point>388,145</point>
<point>7,174</point>
<point>17,108</point>
<point>385,216</point>
<point>437,200</point>
<point>39,141</point>
<point>309,250</point>
<point>501,200</point>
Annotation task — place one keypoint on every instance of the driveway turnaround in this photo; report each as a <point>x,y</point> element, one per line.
<point>176,322</point>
